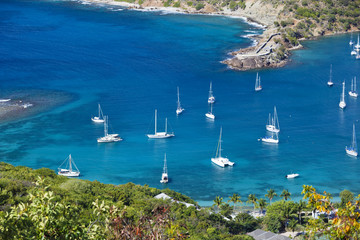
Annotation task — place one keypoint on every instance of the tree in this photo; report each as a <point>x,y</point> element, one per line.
<point>346,196</point>
<point>285,194</point>
<point>252,199</point>
<point>235,198</point>
<point>345,224</point>
<point>270,194</point>
<point>262,204</point>
<point>300,206</point>
<point>218,201</point>
<point>292,224</point>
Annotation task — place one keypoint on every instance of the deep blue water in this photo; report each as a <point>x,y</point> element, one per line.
<point>131,62</point>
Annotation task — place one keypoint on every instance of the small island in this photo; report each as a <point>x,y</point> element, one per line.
<point>286,23</point>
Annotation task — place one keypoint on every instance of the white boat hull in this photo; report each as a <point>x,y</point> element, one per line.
<point>342,104</point>
<point>257,89</point>
<point>330,84</point>
<point>270,140</point>
<point>271,128</point>
<point>5,100</point>
<point>97,120</point>
<point>353,94</point>
<point>351,152</point>
<point>353,53</point>
<point>179,111</point>
<point>67,173</point>
<point>210,115</point>
<point>164,178</point>
<point>222,162</point>
<point>109,138</point>
<point>293,175</point>
<point>161,135</point>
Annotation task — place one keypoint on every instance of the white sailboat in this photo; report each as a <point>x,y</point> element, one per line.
<point>211,98</point>
<point>108,137</point>
<point>100,117</point>
<point>160,134</point>
<point>330,82</point>
<point>164,175</point>
<point>342,103</point>
<point>351,40</point>
<point>292,175</point>
<point>352,150</point>
<point>69,170</point>
<point>257,83</point>
<point>274,138</point>
<point>273,124</point>
<point>357,46</point>
<point>353,92</point>
<point>218,159</point>
<point>353,52</point>
<point>210,114</point>
<point>179,109</point>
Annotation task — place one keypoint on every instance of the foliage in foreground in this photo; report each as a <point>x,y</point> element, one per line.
<point>38,204</point>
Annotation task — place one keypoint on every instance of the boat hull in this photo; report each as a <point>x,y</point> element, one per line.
<point>109,139</point>
<point>160,135</point>
<point>270,140</point>
<point>353,94</point>
<point>164,178</point>
<point>293,175</point>
<point>69,174</point>
<point>97,120</point>
<point>342,105</point>
<point>210,115</point>
<point>351,152</point>
<point>179,111</point>
<point>257,89</point>
<point>222,162</point>
<point>330,84</point>
<point>211,100</point>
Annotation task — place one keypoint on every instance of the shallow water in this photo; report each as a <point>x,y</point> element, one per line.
<point>131,62</point>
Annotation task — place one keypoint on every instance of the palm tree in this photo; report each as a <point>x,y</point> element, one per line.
<point>252,199</point>
<point>292,224</point>
<point>218,201</point>
<point>285,194</point>
<point>300,207</point>
<point>235,198</point>
<point>262,204</point>
<point>270,194</point>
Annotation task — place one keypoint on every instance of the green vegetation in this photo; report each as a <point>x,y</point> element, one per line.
<point>199,6</point>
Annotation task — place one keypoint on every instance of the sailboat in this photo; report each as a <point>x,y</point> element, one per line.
<point>108,137</point>
<point>160,134</point>
<point>342,103</point>
<point>100,117</point>
<point>357,46</point>
<point>353,52</point>
<point>218,159</point>
<point>273,123</point>
<point>330,82</point>
<point>351,41</point>
<point>353,92</point>
<point>352,150</point>
<point>164,175</point>
<point>210,114</point>
<point>211,98</point>
<point>179,109</point>
<point>274,138</point>
<point>257,83</point>
<point>69,170</point>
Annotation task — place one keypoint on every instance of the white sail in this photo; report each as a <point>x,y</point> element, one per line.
<point>342,103</point>
<point>273,123</point>
<point>160,134</point>
<point>352,150</point>
<point>218,159</point>
<point>70,169</point>
<point>179,109</point>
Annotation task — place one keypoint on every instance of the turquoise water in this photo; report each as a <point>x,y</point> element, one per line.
<point>131,62</point>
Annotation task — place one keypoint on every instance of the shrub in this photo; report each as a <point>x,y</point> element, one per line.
<point>199,6</point>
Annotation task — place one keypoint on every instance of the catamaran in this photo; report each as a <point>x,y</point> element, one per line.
<point>352,150</point>
<point>164,175</point>
<point>353,92</point>
<point>68,169</point>
<point>274,138</point>
<point>210,114</point>
<point>257,83</point>
<point>108,137</point>
<point>179,109</point>
<point>160,134</point>
<point>330,82</point>
<point>211,98</point>
<point>342,103</point>
<point>273,123</point>
<point>218,159</point>
<point>100,117</point>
